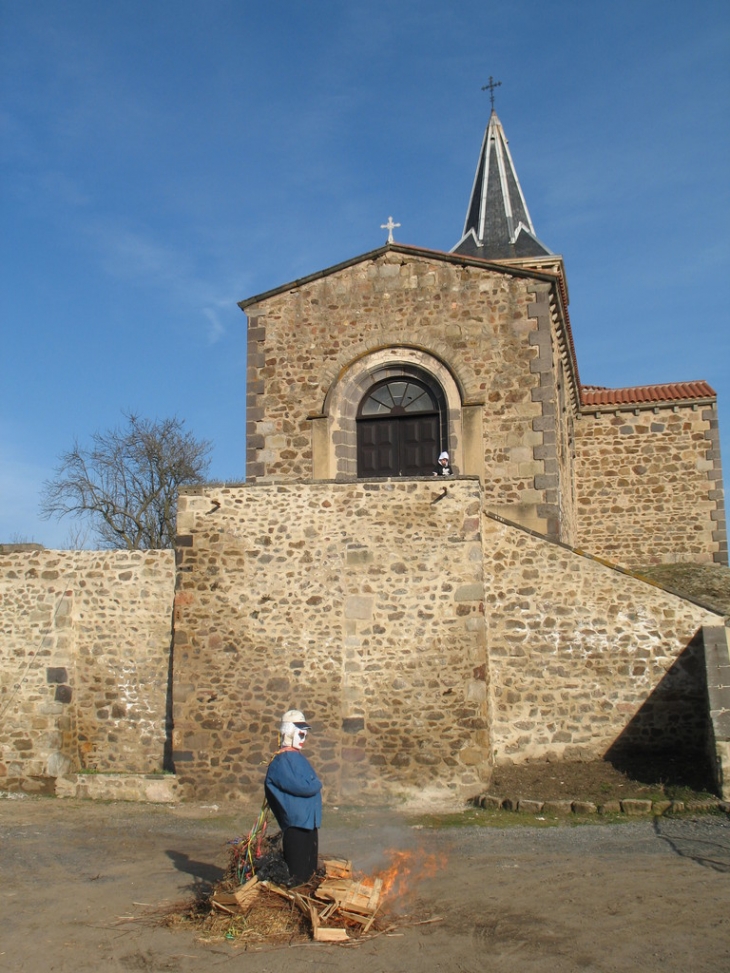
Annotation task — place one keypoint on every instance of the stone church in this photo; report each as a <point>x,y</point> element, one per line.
<point>372,367</point>
<point>430,627</point>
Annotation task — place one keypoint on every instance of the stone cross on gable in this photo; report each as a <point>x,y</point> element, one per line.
<point>389,226</point>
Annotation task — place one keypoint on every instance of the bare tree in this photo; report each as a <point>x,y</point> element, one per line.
<point>126,482</point>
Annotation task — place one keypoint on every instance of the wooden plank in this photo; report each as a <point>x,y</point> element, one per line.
<point>369,923</point>
<point>247,893</point>
<point>323,935</point>
<point>374,899</point>
<point>229,910</point>
<point>328,910</point>
<point>278,889</point>
<point>223,898</point>
<point>354,916</point>
<point>337,868</point>
<point>314,916</point>
<point>305,904</point>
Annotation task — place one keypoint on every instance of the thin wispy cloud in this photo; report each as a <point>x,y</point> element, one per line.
<point>216,329</point>
<point>142,261</point>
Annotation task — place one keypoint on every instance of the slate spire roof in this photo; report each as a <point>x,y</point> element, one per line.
<point>498,224</point>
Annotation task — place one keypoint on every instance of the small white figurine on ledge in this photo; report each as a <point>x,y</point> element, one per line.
<point>443,467</point>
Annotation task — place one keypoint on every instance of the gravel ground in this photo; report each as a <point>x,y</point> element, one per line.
<point>81,879</point>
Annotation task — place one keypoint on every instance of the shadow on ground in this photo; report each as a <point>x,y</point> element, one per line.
<point>205,875</point>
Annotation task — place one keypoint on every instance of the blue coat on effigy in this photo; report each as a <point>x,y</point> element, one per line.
<point>293,791</point>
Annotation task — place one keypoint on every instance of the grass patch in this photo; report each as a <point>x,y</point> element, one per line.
<point>494,818</point>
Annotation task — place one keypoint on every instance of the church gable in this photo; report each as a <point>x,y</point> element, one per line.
<point>480,336</point>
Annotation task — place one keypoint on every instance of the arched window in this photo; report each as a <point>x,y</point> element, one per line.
<point>401,425</point>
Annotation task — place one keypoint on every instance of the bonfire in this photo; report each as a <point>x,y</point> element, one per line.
<point>254,905</point>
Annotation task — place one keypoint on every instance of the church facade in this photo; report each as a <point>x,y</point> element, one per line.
<point>431,627</point>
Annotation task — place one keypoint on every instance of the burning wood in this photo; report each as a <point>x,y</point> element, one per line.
<point>337,868</point>
<point>334,907</point>
<point>405,869</point>
<point>351,896</point>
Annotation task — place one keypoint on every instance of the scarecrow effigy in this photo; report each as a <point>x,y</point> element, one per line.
<point>294,794</point>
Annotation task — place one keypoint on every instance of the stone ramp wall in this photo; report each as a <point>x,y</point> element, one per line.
<point>425,638</point>
<point>585,657</point>
<point>84,653</point>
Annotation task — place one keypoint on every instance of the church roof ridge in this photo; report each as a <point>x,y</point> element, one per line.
<point>451,256</point>
<point>498,223</point>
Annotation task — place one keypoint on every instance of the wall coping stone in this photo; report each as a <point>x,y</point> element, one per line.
<point>152,788</point>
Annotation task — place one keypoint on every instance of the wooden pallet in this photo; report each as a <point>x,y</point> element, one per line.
<point>362,898</point>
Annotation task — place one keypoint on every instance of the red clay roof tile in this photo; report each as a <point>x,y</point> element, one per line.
<point>595,395</point>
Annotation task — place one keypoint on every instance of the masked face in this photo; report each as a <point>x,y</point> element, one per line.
<point>299,737</point>
<point>293,734</point>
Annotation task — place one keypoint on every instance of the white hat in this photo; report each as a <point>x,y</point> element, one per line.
<point>296,717</point>
<point>443,455</point>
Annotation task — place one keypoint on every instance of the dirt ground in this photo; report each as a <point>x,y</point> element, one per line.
<point>655,777</point>
<point>80,880</point>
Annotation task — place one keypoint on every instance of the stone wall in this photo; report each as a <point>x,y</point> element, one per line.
<point>425,637</point>
<point>649,485</point>
<point>717,656</point>
<point>84,654</point>
<point>360,603</point>
<point>552,428</point>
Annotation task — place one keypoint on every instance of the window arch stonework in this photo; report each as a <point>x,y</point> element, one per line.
<point>334,436</point>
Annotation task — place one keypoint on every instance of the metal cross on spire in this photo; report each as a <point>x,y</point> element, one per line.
<point>389,226</point>
<point>491,86</point>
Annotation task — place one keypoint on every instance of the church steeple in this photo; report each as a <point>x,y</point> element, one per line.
<point>498,224</point>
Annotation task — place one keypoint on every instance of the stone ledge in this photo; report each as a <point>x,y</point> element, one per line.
<point>629,806</point>
<point>153,788</point>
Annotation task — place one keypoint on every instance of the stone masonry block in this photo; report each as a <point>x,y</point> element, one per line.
<point>558,808</point>
<point>530,807</point>
<point>358,607</point>
<point>584,807</point>
<point>469,592</point>
<point>635,806</point>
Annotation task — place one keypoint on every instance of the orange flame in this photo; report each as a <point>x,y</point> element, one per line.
<point>405,869</point>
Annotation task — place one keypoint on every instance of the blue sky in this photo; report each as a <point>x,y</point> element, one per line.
<point>162,160</point>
